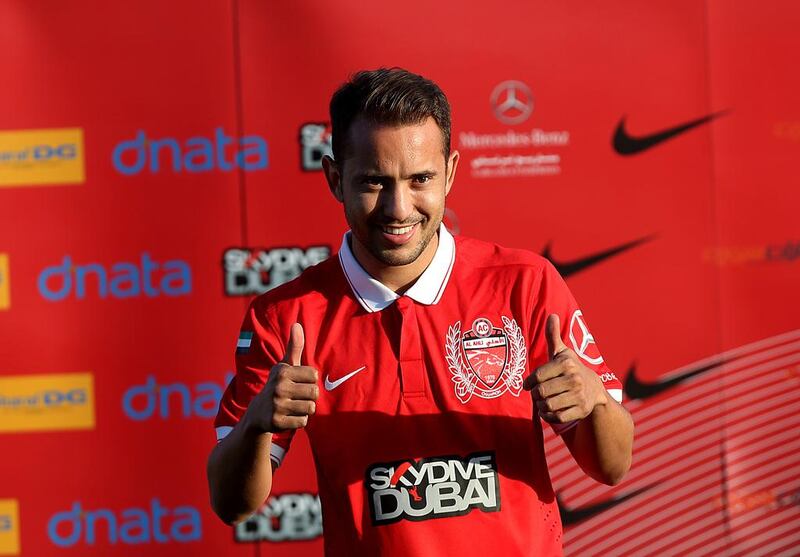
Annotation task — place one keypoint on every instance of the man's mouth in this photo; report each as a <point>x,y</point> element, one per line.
<point>398,231</point>
<point>399,235</point>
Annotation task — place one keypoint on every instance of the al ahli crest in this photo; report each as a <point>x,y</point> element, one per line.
<point>486,361</point>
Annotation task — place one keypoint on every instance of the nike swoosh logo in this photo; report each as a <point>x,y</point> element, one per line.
<point>571,517</point>
<point>626,144</point>
<point>331,385</point>
<point>567,268</point>
<point>639,390</point>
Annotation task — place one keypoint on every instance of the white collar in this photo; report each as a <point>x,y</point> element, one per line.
<point>374,296</point>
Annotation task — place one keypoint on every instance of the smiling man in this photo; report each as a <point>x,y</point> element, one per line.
<point>407,359</point>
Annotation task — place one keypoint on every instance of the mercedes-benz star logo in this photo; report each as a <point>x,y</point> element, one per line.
<point>512,102</point>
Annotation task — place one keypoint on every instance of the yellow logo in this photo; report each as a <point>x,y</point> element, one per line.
<point>9,527</point>
<point>40,157</point>
<point>5,287</point>
<point>46,402</point>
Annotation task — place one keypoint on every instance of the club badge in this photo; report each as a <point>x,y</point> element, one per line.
<point>486,361</point>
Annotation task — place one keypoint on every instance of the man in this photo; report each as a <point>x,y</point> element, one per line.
<point>406,359</point>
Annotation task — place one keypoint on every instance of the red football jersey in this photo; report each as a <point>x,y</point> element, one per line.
<point>424,441</point>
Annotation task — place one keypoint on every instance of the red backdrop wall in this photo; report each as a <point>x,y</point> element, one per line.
<point>157,168</point>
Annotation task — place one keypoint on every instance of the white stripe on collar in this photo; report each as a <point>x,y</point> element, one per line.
<point>374,296</point>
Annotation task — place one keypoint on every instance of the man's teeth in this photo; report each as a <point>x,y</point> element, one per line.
<point>398,231</point>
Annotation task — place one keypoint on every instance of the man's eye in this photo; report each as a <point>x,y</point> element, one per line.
<point>423,179</point>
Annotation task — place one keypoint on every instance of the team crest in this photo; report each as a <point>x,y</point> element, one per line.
<point>486,361</point>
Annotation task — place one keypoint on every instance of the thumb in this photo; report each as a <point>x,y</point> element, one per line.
<point>294,348</point>
<point>553,333</point>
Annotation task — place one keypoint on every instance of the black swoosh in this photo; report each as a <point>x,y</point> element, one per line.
<point>625,144</point>
<point>570,517</point>
<point>636,389</point>
<point>567,268</point>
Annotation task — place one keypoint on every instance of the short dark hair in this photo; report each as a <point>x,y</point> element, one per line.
<point>387,96</point>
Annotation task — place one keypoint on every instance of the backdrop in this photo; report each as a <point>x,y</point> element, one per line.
<point>159,166</point>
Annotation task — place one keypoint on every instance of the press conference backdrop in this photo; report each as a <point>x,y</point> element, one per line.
<point>160,165</point>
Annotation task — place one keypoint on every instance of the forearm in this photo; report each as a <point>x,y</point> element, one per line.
<point>240,473</point>
<point>602,442</point>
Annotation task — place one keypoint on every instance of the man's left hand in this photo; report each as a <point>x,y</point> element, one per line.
<point>564,389</point>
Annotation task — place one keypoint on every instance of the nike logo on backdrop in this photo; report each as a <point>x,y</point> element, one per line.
<point>579,514</point>
<point>626,144</point>
<point>330,385</point>
<point>567,268</point>
<point>638,390</point>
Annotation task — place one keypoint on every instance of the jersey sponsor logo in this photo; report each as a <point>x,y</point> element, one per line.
<point>486,361</point>
<point>49,402</point>
<point>437,487</point>
<point>120,280</point>
<point>315,142</point>
<point>9,527</point>
<point>41,157</point>
<point>252,271</point>
<point>5,285</point>
<point>626,144</point>
<point>582,340</point>
<point>331,385</point>
<point>197,154</point>
<point>131,526</point>
<point>285,517</point>
<point>568,268</point>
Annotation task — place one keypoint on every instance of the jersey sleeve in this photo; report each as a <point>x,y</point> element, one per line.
<point>257,350</point>
<point>555,297</point>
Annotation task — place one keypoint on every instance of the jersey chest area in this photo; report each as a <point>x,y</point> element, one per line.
<point>411,358</point>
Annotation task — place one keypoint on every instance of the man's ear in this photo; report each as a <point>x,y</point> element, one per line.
<point>452,164</point>
<point>333,176</point>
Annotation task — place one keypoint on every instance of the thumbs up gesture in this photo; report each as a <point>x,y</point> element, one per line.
<point>291,392</point>
<point>564,389</point>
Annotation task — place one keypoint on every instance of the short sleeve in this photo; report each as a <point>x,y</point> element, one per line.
<point>555,297</point>
<point>258,349</point>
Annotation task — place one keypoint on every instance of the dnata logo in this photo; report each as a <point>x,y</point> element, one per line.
<point>129,526</point>
<point>152,400</point>
<point>5,285</point>
<point>196,154</point>
<point>9,527</point>
<point>36,157</point>
<point>47,402</point>
<point>122,280</point>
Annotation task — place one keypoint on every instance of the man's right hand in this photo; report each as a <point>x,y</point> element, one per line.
<point>291,392</point>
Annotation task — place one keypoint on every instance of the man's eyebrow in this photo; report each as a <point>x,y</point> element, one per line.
<point>430,173</point>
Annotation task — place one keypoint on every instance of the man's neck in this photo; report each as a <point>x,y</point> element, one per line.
<point>397,278</point>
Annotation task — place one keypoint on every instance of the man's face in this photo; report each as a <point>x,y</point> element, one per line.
<point>393,186</point>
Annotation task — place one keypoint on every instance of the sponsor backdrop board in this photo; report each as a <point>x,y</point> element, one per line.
<point>159,166</point>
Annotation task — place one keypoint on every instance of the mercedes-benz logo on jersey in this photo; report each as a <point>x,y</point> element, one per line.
<point>512,102</point>
<point>582,340</point>
<point>486,361</point>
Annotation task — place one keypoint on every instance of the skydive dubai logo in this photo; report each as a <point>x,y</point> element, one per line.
<point>196,154</point>
<point>131,526</point>
<point>286,517</point>
<point>47,402</point>
<point>46,156</point>
<point>437,487</point>
<point>148,400</point>
<point>250,271</point>
<point>121,280</point>
<point>315,142</point>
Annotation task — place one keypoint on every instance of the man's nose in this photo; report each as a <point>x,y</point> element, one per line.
<point>397,203</point>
